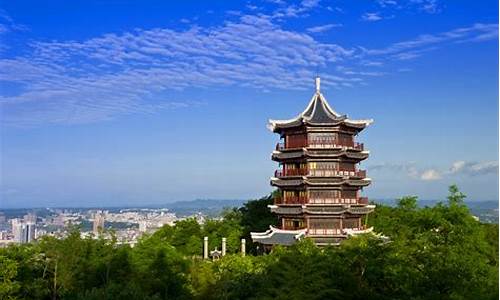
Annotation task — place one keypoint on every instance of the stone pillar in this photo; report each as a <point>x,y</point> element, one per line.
<point>243,247</point>
<point>205,247</point>
<point>223,246</point>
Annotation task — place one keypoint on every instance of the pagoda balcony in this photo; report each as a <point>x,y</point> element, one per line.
<point>291,172</point>
<point>279,199</point>
<point>319,143</point>
<point>334,201</point>
<point>338,231</point>
<point>290,200</point>
<point>319,173</point>
<point>334,143</point>
<point>329,173</point>
<point>293,228</point>
<point>363,200</point>
<point>324,231</point>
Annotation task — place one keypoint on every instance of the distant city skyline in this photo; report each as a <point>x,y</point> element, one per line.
<point>127,103</point>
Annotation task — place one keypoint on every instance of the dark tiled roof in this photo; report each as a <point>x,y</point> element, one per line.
<point>279,238</point>
<point>276,236</point>
<point>318,112</point>
<point>321,114</point>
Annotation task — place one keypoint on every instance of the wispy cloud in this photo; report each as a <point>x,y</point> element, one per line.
<point>474,168</point>
<point>426,6</point>
<point>7,24</point>
<point>371,17</point>
<point>427,42</point>
<point>430,175</point>
<point>458,168</point>
<point>295,10</point>
<point>323,28</point>
<point>117,74</point>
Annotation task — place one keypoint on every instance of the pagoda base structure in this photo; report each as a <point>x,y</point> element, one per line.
<point>318,183</point>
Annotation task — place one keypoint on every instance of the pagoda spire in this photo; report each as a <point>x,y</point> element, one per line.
<point>318,84</point>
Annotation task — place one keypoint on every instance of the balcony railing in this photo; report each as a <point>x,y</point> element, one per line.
<point>319,143</point>
<point>318,200</point>
<point>319,173</point>
<point>310,200</point>
<point>363,200</point>
<point>324,231</point>
<point>336,231</point>
<point>290,200</point>
<point>290,172</point>
<point>330,172</point>
<point>333,143</point>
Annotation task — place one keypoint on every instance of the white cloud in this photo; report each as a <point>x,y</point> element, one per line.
<point>323,28</point>
<point>116,74</point>
<point>310,3</point>
<point>427,6</point>
<point>430,175</point>
<point>294,11</point>
<point>385,3</point>
<point>474,168</point>
<point>372,63</point>
<point>424,41</point>
<point>371,17</point>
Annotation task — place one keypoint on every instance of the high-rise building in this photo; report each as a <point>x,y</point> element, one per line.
<point>28,232</point>
<point>24,232</point>
<point>98,225</point>
<point>319,183</point>
<point>17,230</point>
<point>30,218</point>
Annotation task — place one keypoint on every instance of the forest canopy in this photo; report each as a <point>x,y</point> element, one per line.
<point>439,252</point>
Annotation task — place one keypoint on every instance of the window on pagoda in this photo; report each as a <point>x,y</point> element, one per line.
<point>346,139</point>
<point>351,223</point>
<point>322,138</point>
<point>324,226</point>
<point>293,224</point>
<point>295,169</point>
<point>323,168</point>
<point>330,139</point>
<point>290,197</point>
<point>296,140</point>
<point>347,166</point>
<point>332,197</point>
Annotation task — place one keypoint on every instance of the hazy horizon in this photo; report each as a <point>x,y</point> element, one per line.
<point>160,205</point>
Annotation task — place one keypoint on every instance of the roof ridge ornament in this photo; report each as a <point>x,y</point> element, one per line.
<point>318,112</point>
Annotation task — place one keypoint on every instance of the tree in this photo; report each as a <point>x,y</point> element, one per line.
<point>256,217</point>
<point>8,271</point>
<point>439,252</point>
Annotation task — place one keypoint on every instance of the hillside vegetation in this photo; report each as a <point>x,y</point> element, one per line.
<point>438,252</point>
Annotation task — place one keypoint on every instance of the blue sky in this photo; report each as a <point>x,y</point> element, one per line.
<point>147,102</point>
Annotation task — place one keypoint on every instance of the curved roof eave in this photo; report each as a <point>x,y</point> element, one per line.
<point>309,112</point>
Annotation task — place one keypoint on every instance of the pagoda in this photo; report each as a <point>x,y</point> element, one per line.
<point>318,182</point>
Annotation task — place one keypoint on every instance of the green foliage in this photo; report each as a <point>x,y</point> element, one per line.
<point>8,272</point>
<point>256,217</point>
<point>229,227</point>
<point>439,252</point>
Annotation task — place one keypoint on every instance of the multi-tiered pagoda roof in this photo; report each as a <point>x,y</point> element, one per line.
<point>318,113</point>
<point>319,183</point>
